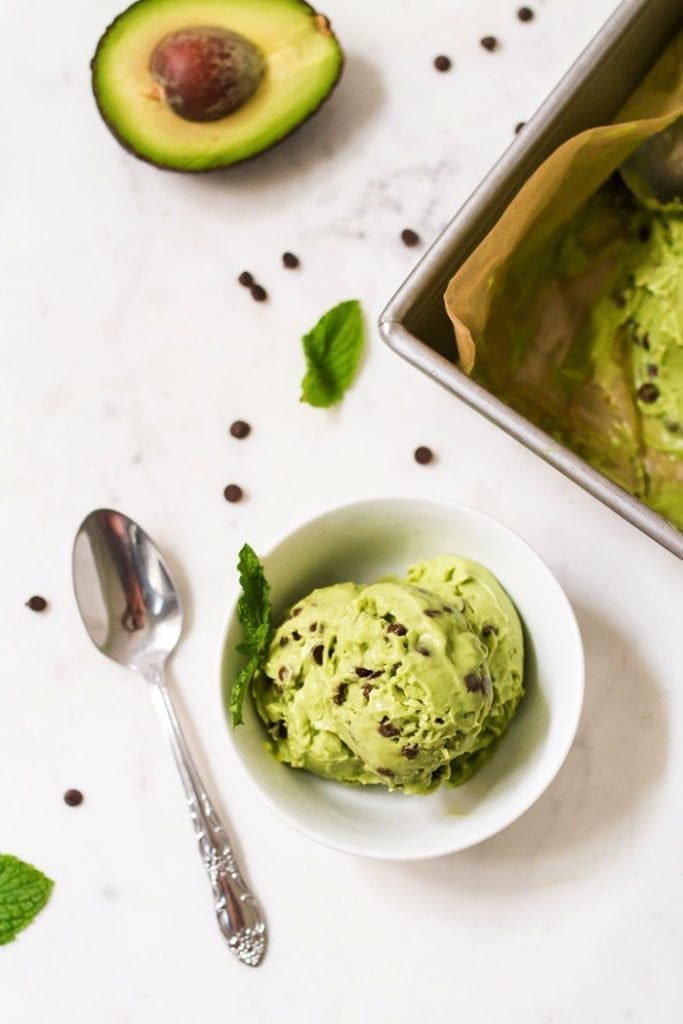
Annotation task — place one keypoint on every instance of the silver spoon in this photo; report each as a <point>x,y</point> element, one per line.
<point>132,611</point>
<point>655,169</point>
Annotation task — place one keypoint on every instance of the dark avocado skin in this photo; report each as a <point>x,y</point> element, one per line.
<point>228,165</point>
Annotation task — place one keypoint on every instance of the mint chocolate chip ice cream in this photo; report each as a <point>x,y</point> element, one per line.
<point>403,683</point>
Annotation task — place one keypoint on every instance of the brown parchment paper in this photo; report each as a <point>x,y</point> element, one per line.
<point>556,190</point>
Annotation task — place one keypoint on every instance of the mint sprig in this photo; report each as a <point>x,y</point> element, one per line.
<point>333,350</point>
<point>255,614</point>
<point>24,891</point>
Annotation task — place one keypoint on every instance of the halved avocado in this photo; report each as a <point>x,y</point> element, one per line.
<point>195,85</point>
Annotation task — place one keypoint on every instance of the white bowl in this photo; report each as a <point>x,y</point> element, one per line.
<point>370,539</point>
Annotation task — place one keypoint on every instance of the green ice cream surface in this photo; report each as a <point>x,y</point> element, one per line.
<point>403,683</point>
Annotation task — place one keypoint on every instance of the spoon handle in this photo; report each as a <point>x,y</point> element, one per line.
<point>238,913</point>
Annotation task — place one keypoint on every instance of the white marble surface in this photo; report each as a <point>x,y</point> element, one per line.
<point>127,351</point>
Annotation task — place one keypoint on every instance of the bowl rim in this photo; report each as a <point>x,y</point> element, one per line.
<point>446,846</point>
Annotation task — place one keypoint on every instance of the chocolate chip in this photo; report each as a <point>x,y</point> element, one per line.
<point>363,672</point>
<point>411,752</point>
<point>489,43</point>
<point>433,613</point>
<point>644,232</point>
<point>367,689</point>
<point>317,653</point>
<point>233,492</point>
<point>648,393</point>
<point>645,342</point>
<point>423,455</point>
<point>475,683</point>
<point>73,797</point>
<point>376,674</point>
<point>442,63</point>
<point>385,728</point>
<point>652,370</point>
<point>296,635</point>
<point>36,604</point>
<point>439,721</point>
<point>341,693</point>
<point>283,673</point>
<point>424,651</point>
<point>297,611</point>
<point>281,730</point>
<point>519,126</point>
<point>313,627</point>
<point>284,640</point>
<point>258,293</point>
<point>290,260</point>
<point>397,628</point>
<point>240,429</point>
<point>387,772</point>
<point>525,14</point>
<point>488,631</point>
<point>246,279</point>
<point>410,237</point>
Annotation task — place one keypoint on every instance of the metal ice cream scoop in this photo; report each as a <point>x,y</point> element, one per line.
<point>655,169</point>
<point>132,611</point>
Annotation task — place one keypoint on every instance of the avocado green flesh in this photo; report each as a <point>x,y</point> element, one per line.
<point>302,63</point>
<point>406,683</point>
<point>609,385</point>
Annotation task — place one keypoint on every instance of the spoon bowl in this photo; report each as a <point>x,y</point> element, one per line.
<point>127,598</point>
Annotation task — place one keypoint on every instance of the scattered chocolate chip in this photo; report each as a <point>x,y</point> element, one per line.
<point>233,492</point>
<point>447,608</point>
<point>376,674</point>
<point>423,455</point>
<point>36,604</point>
<point>73,797</point>
<point>411,752</point>
<point>283,672</point>
<point>648,393</point>
<point>424,651</point>
<point>397,628</point>
<point>519,126</point>
<point>341,693</point>
<point>442,63</point>
<point>281,729</point>
<point>645,342</point>
<point>385,728</point>
<point>246,279</point>
<point>317,653</point>
<point>313,627</point>
<point>652,370</point>
<point>297,611</point>
<point>475,683</point>
<point>367,689</point>
<point>387,772</point>
<point>488,631</point>
<point>290,261</point>
<point>644,232</point>
<point>525,14</point>
<point>363,673</point>
<point>433,613</point>
<point>489,43</point>
<point>258,293</point>
<point>284,640</point>
<point>439,721</point>
<point>240,429</point>
<point>410,237</point>
<point>296,635</point>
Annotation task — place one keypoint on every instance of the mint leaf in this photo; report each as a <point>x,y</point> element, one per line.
<point>254,612</point>
<point>24,890</point>
<point>333,350</point>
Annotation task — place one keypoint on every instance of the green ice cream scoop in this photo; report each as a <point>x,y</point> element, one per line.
<point>404,683</point>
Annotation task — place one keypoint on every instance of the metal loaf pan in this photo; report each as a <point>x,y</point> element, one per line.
<point>415,323</point>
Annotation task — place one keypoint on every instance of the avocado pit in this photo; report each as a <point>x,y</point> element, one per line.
<point>206,73</point>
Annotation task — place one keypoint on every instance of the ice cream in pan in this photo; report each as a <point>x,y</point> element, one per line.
<point>406,683</point>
